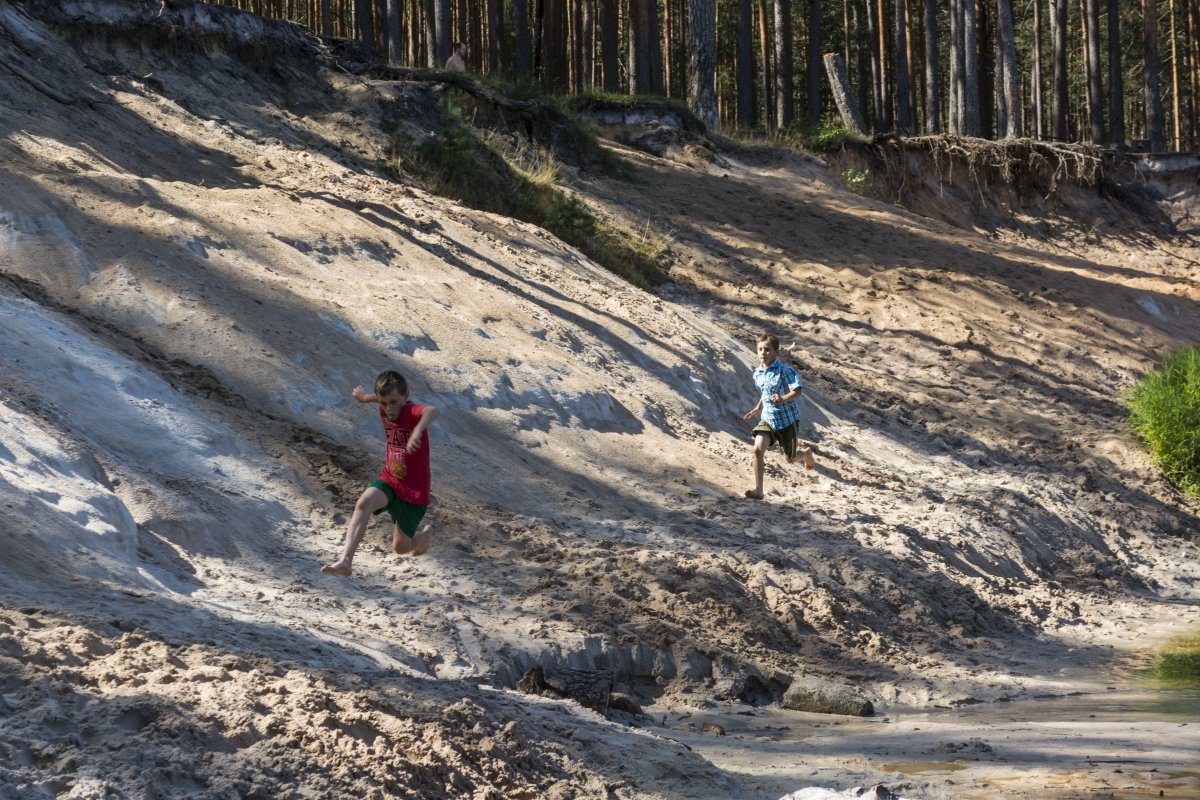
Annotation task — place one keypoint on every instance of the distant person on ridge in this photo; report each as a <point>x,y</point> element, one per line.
<point>457,62</point>
<point>402,488</point>
<point>778,387</point>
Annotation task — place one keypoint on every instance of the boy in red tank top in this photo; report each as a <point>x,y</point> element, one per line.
<point>402,488</point>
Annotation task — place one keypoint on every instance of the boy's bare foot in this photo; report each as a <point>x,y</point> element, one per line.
<point>809,461</point>
<point>754,494</point>
<point>337,568</point>
<point>422,540</point>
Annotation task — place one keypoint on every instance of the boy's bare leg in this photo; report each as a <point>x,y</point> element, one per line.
<point>422,540</point>
<point>758,457</point>
<point>371,500</point>
<point>401,542</point>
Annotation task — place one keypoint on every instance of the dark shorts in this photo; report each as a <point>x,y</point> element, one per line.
<point>784,437</point>
<point>406,515</point>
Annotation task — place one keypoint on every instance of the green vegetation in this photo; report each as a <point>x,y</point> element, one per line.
<point>457,162</point>
<point>1179,664</point>
<point>859,181</point>
<point>1165,411</point>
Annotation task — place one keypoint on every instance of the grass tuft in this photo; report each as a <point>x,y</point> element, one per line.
<point>1179,664</point>
<point>1164,409</point>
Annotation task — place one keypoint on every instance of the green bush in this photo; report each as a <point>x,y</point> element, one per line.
<point>1165,411</point>
<point>1179,664</point>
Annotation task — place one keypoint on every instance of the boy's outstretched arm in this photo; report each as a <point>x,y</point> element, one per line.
<point>754,411</point>
<point>428,415</point>
<point>359,394</point>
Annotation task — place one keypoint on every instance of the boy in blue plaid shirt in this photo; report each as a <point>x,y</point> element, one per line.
<point>778,387</point>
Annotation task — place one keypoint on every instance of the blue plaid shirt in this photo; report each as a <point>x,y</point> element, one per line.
<point>778,378</point>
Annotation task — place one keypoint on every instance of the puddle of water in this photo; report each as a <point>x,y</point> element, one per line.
<point>924,767</point>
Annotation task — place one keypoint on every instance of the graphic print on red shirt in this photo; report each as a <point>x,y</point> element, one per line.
<point>407,473</point>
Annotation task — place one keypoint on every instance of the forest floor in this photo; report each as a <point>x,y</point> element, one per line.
<point>204,245</point>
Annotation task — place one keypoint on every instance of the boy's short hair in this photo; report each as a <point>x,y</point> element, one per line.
<point>769,339</point>
<point>390,381</point>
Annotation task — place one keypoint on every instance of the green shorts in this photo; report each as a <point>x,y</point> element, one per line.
<point>407,516</point>
<point>784,437</point>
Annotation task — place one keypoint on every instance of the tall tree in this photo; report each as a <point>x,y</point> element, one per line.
<point>1010,92</point>
<point>1116,81</point>
<point>555,66</point>
<point>904,112</point>
<point>814,67</point>
<point>764,45</point>
<point>587,29</point>
<point>1095,93</point>
<point>641,41</point>
<point>784,111</point>
<point>1059,101</point>
<point>495,30</point>
<point>521,40</point>
<point>442,32</point>
<point>609,38</point>
<point>1175,102</point>
<point>745,64</point>
<point>970,75</point>
<point>1035,69</point>
<point>932,76</point>
<point>1151,91</point>
<point>702,59</point>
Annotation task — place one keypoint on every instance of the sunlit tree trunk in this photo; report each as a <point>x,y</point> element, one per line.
<point>764,45</point>
<point>702,59</point>
<point>1095,92</point>
<point>1175,107</point>
<point>904,121</point>
<point>1035,69</point>
<point>783,64</point>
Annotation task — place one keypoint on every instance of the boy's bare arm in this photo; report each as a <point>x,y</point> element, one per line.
<point>359,394</point>
<point>754,411</point>
<point>428,415</point>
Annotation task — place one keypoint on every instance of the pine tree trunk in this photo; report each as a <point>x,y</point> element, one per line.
<point>1035,68</point>
<point>555,67</point>
<point>395,48</point>
<point>521,42</point>
<point>1011,97</point>
<point>970,47</point>
<point>442,32</point>
<point>745,64</point>
<point>702,59</point>
<point>495,36</point>
<point>1095,93</point>
<point>813,117</point>
<point>839,84</point>
<point>878,90</point>
<point>1116,81</point>
<point>932,73</point>
<point>608,45</point>
<point>588,44</point>
<point>1175,81</point>
<point>764,45</point>
<point>904,121</point>
<point>1151,91</point>
<point>1059,102</point>
<point>784,112</point>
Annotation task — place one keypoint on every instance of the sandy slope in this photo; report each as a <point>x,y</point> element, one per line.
<point>200,259</point>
